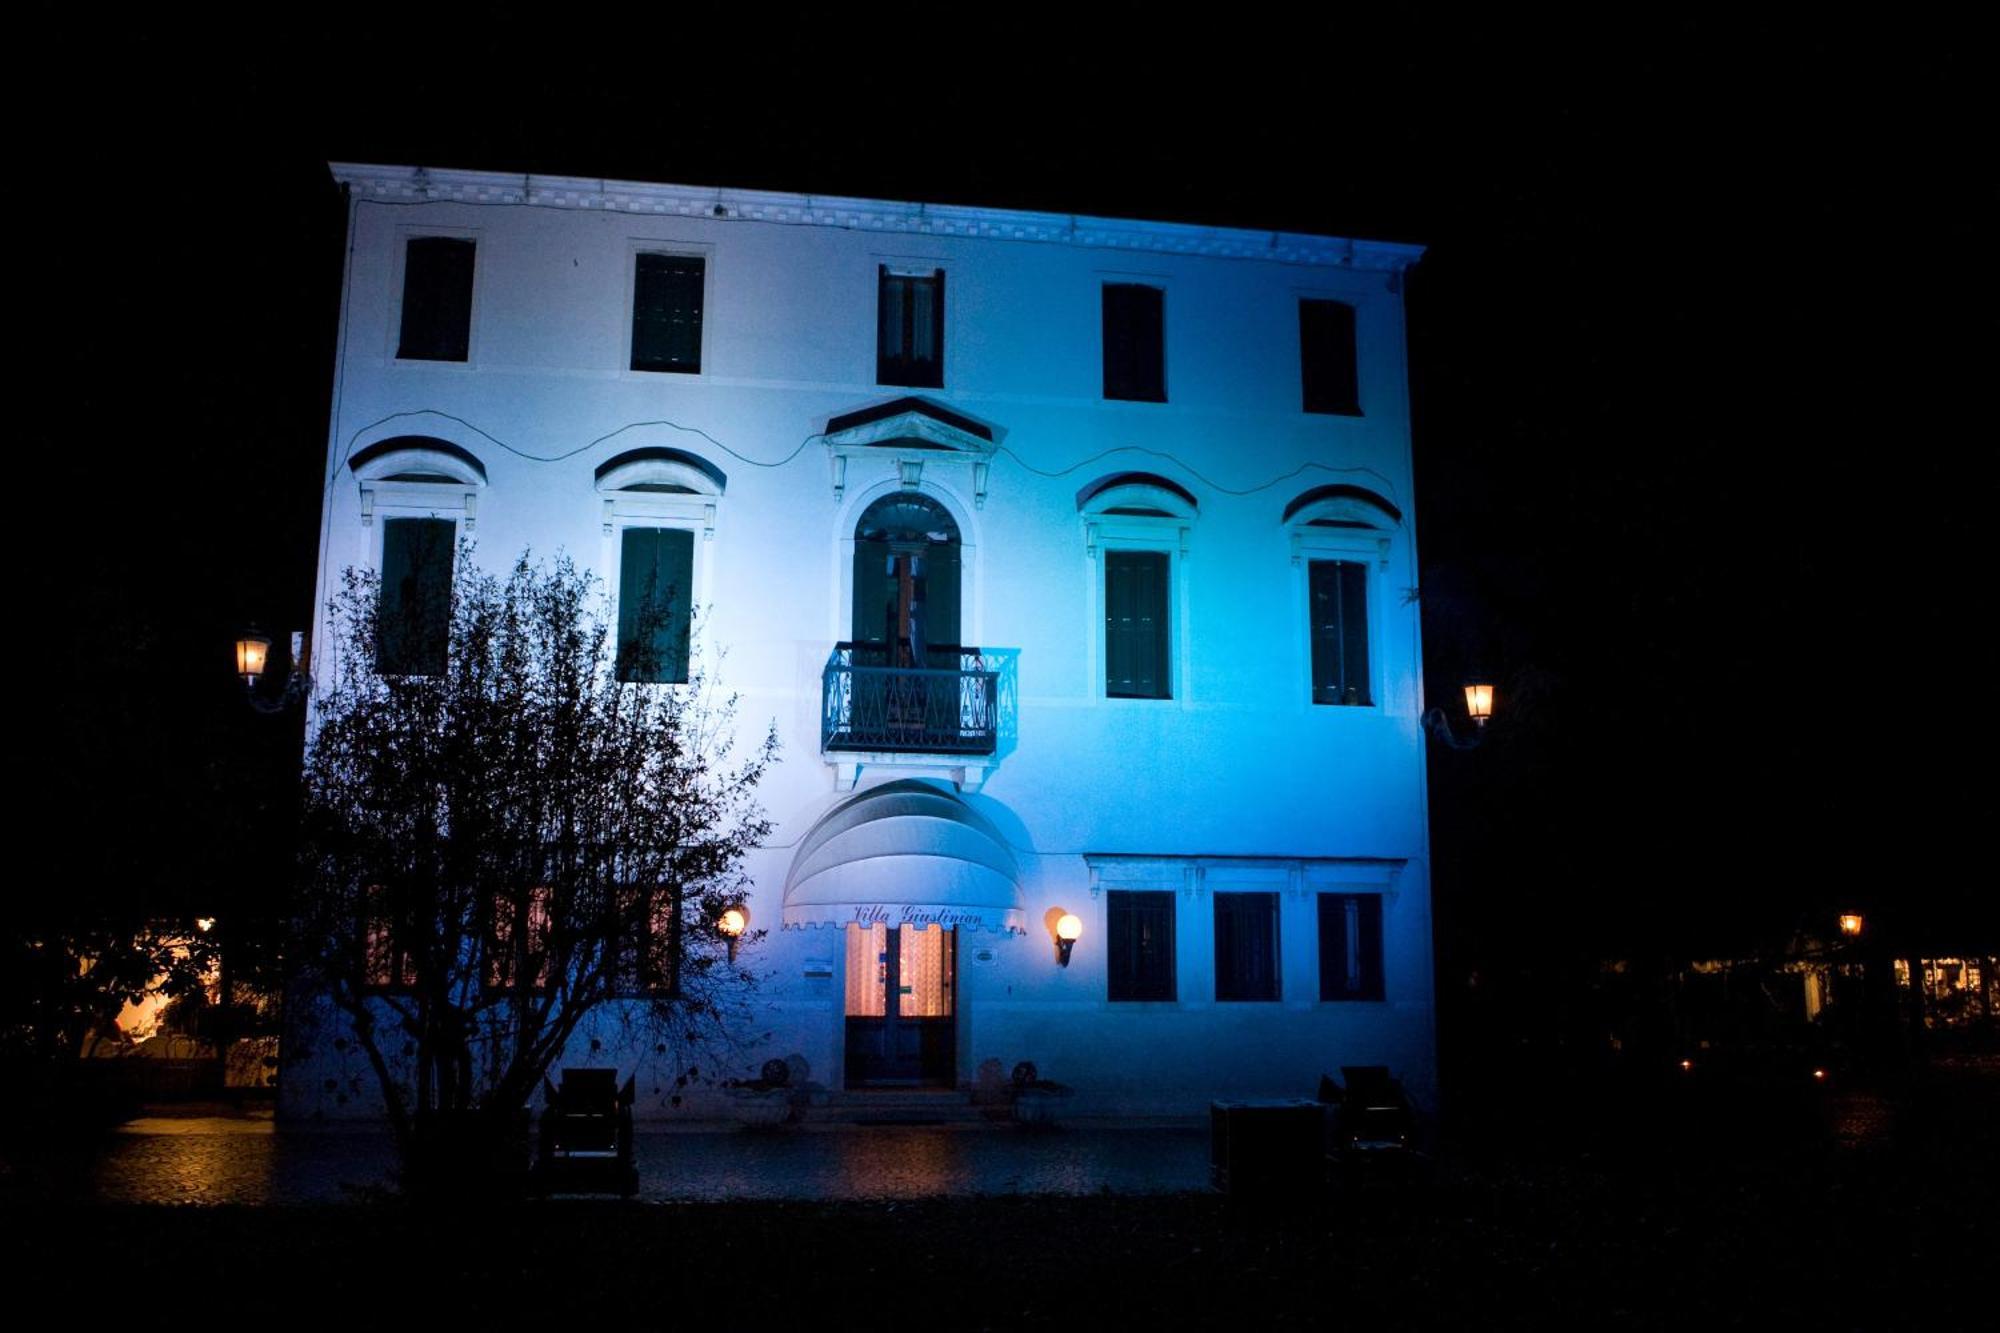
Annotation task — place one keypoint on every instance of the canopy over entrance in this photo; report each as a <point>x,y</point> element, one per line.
<point>904,853</point>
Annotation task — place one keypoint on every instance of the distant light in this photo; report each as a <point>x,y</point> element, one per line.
<point>1819,1075</point>
<point>1687,1066</point>
<point>1479,701</point>
<point>204,924</point>
<point>1850,923</point>
<point>252,650</point>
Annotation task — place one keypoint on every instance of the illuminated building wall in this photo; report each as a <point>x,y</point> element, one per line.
<point>1206,686</point>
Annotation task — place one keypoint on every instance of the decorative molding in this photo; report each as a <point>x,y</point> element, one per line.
<point>909,433</point>
<point>420,185</point>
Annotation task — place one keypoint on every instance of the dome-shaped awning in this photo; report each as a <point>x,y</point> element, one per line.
<point>904,853</point>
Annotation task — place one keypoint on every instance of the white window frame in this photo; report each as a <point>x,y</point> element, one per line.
<point>702,250</point>
<point>1159,282</point>
<point>911,266</point>
<point>1171,533</point>
<point>1367,546</point>
<point>620,508</point>
<point>1354,301</point>
<point>392,341</point>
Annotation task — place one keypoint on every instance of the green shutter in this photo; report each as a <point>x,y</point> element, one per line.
<point>437,299</point>
<point>1354,632</point>
<point>874,594</point>
<point>1134,350</point>
<point>655,604</point>
<point>1135,625</point>
<point>1338,591</point>
<point>1328,368</point>
<point>666,313</point>
<point>941,594</point>
<point>414,619</point>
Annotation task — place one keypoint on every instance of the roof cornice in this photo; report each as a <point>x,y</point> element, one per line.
<point>416,185</point>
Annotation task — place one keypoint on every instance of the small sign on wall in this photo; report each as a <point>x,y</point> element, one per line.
<point>819,969</point>
<point>982,955</point>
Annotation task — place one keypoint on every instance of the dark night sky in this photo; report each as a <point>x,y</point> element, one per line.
<point>1694,349</point>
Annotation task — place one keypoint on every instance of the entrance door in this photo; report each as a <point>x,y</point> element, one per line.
<point>902,1006</point>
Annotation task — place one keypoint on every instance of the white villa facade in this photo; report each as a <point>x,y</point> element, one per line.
<point>1072,559</point>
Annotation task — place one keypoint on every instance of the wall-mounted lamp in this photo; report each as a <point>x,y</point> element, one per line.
<point>1479,702</point>
<point>252,651</point>
<point>1069,929</point>
<point>1478,706</point>
<point>253,654</point>
<point>732,923</point>
<point>1850,924</point>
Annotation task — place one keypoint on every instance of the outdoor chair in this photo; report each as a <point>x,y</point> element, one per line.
<point>1371,1126</point>
<point>586,1135</point>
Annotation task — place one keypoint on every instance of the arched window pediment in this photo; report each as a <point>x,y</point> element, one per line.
<point>1138,493</point>
<point>1341,518</point>
<point>420,469</point>
<point>1140,505</point>
<point>661,471</point>
<point>661,483</point>
<point>1343,505</point>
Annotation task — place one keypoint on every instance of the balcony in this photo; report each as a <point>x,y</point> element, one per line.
<point>955,713</point>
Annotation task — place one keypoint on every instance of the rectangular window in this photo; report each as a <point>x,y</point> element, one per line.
<point>1338,594</point>
<point>1139,960</point>
<point>649,939</point>
<point>666,313</point>
<point>1350,946</point>
<point>1246,946</point>
<point>413,624</point>
<point>1134,343</point>
<point>1135,625</point>
<point>909,323</point>
<point>388,961</point>
<point>655,597</point>
<point>1327,361</point>
<point>520,939</point>
<point>437,299</point>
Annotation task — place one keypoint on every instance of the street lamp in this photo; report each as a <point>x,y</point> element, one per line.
<point>1479,693</point>
<point>253,654</point>
<point>252,651</point>
<point>1850,924</point>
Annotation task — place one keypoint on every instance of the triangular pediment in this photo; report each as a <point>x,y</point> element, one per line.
<point>910,423</point>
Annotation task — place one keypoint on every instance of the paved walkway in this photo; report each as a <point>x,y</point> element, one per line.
<point>248,1160</point>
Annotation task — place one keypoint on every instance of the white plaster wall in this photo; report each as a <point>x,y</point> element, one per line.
<point>1238,764</point>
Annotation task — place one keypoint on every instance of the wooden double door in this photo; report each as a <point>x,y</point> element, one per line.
<point>902,1006</point>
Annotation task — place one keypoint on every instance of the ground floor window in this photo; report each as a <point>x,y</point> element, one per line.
<point>1140,952</point>
<point>1246,946</point>
<point>1350,946</point>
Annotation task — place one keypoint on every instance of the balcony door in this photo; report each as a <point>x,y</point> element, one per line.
<point>906,585</point>
<point>902,1001</point>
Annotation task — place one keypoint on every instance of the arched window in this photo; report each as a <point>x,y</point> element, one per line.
<point>1136,525</point>
<point>1340,536</point>
<point>907,583</point>
<point>425,491</point>
<point>658,511</point>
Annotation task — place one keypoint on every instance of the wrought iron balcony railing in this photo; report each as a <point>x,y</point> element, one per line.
<point>952,705</point>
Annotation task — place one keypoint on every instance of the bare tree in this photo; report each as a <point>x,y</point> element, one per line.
<point>495,851</point>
